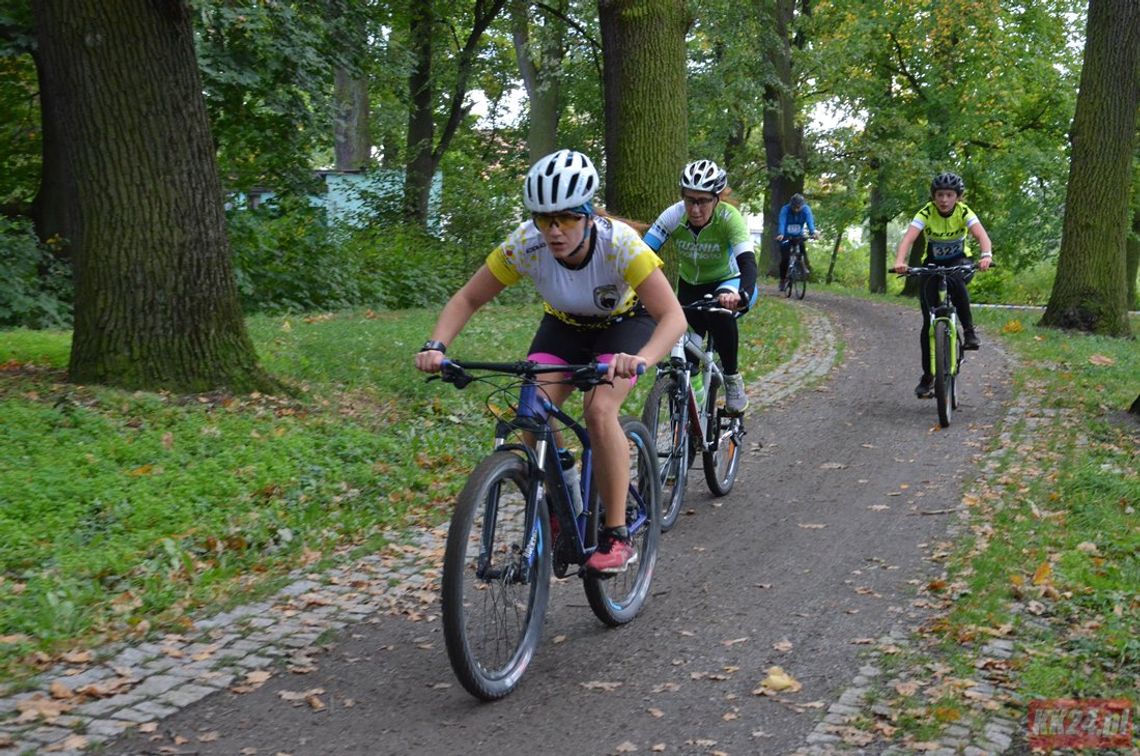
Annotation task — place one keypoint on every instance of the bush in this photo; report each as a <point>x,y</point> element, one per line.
<point>35,285</point>
<point>286,259</point>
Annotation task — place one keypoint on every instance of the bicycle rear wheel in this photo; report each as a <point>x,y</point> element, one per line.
<point>494,598</point>
<point>666,415</point>
<point>722,461</point>
<point>619,598</point>
<point>943,377</point>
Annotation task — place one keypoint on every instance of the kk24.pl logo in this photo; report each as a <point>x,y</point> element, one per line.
<point>1089,723</point>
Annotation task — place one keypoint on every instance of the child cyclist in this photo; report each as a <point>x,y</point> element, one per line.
<point>944,223</point>
<point>714,248</point>
<point>605,298</point>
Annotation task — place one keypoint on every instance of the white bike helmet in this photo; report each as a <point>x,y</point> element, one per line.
<point>704,176</point>
<point>562,180</point>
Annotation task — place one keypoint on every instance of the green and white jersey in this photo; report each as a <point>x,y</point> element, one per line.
<point>945,235</point>
<point>708,255</point>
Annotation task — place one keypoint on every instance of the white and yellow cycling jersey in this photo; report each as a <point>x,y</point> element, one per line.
<point>600,289</point>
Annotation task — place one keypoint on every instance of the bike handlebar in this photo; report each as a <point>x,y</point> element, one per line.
<point>711,304</point>
<point>927,271</point>
<point>591,373</point>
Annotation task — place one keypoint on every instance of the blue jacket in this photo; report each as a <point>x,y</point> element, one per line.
<point>792,223</point>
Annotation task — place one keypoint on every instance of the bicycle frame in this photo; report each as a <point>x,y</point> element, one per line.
<point>534,415</point>
<point>690,346</point>
<point>943,310</point>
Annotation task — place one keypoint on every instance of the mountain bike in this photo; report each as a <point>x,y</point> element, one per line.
<point>500,548</point>
<point>684,417</point>
<point>797,269</point>
<point>946,337</point>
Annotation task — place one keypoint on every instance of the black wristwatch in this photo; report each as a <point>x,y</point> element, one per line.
<point>431,345</point>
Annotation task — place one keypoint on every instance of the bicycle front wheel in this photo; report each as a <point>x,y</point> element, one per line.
<point>943,377</point>
<point>722,458</point>
<point>666,415</point>
<point>494,593</point>
<point>619,598</point>
<point>800,280</point>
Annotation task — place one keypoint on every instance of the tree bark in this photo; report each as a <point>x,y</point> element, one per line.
<point>646,133</point>
<point>352,138</point>
<point>783,139</point>
<point>156,304</point>
<point>877,275</point>
<point>1132,246</point>
<point>421,116</point>
<point>1089,290</point>
<point>540,66</point>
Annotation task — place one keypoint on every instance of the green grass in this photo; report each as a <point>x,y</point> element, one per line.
<point>123,512</point>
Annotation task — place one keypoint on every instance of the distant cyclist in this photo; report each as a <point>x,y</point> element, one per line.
<point>944,223</point>
<point>714,249</point>
<point>796,223</point>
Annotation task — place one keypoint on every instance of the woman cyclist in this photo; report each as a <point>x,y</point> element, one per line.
<point>944,223</point>
<point>605,298</point>
<point>714,248</point>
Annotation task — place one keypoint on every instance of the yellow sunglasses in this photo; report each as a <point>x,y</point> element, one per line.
<point>546,221</point>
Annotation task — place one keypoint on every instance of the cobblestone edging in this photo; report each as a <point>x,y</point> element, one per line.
<point>813,360</point>
<point>126,685</point>
<point>984,732</point>
<point>70,707</point>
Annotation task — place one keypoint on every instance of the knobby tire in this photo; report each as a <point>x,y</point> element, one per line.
<point>617,599</point>
<point>492,622</point>
<point>721,460</point>
<point>666,415</point>
<point>943,377</point>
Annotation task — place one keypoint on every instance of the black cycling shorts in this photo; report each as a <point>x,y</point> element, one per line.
<point>582,344</point>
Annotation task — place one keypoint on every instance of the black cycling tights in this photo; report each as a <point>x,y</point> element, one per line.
<point>928,294</point>
<point>726,336</point>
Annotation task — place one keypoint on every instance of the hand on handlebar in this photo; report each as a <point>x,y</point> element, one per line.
<point>624,365</point>
<point>430,361</point>
<point>730,300</point>
<point>985,263</point>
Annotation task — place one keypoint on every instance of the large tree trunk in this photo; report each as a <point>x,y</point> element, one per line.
<point>156,304</point>
<point>421,117</point>
<point>1090,289</point>
<point>783,139</point>
<point>1132,246</point>
<point>352,137</point>
<point>877,275</point>
<point>540,65</point>
<point>643,52</point>
<point>54,210</point>
<point>353,142</point>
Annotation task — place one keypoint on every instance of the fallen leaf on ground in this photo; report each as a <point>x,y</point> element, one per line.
<point>600,685</point>
<point>777,681</point>
<point>626,747</point>
<point>148,727</point>
<point>907,688</point>
<point>656,713</point>
<point>1100,359</point>
<point>811,525</point>
<point>784,645</point>
<point>209,737</point>
<point>70,743</point>
<point>733,642</point>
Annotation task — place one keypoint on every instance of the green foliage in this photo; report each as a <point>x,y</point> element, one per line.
<point>267,71</point>
<point>35,285</point>
<point>20,132</point>
<point>291,261</point>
